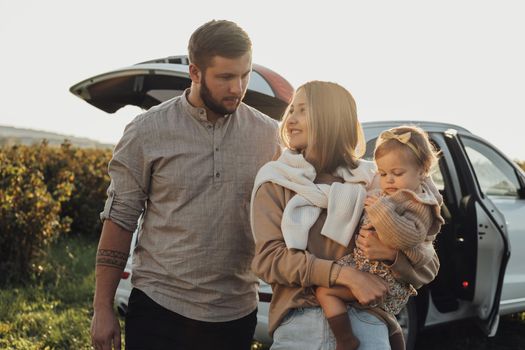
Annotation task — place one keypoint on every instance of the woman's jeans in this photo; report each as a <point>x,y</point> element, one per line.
<point>307,328</point>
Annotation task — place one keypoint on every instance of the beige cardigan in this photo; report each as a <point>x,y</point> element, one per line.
<point>406,219</point>
<point>293,273</point>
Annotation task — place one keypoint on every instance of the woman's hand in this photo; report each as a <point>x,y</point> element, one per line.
<point>372,247</point>
<point>367,288</point>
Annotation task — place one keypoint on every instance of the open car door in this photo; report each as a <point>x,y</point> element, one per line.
<point>150,83</point>
<point>484,235</point>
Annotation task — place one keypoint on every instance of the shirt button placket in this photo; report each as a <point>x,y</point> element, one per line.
<point>216,159</point>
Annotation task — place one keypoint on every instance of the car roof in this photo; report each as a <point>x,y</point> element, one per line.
<point>372,129</point>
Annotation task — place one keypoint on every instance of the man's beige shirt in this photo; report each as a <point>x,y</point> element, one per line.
<point>192,181</point>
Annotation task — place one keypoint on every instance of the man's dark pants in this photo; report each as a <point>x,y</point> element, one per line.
<point>150,326</point>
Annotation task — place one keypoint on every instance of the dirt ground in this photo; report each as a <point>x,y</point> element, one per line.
<point>466,336</point>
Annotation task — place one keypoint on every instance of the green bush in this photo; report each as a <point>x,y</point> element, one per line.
<point>87,169</point>
<point>29,214</point>
<point>45,192</point>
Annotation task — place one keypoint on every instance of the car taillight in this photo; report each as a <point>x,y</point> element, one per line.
<point>265,297</point>
<point>124,275</point>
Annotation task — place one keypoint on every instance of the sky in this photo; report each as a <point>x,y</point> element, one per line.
<point>460,62</point>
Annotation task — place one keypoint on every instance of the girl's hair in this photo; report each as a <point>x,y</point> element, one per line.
<point>409,139</point>
<point>335,136</point>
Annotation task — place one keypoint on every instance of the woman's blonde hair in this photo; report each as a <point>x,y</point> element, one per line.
<point>410,139</point>
<point>335,136</point>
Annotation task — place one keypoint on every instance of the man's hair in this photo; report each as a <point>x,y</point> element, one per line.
<point>335,136</point>
<point>217,38</point>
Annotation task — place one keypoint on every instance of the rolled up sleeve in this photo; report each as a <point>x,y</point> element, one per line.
<point>130,173</point>
<point>403,270</point>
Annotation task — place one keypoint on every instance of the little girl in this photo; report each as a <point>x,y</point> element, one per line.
<point>406,216</point>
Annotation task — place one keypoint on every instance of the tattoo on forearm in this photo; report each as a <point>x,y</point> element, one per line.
<point>112,258</point>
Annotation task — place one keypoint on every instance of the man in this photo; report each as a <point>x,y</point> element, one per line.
<point>187,166</point>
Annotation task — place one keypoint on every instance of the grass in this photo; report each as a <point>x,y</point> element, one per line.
<point>54,310</point>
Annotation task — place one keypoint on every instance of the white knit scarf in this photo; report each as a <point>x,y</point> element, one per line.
<point>344,201</point>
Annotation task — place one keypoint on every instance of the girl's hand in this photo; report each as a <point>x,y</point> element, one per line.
<point>371,200</point>
<point>372,247</point>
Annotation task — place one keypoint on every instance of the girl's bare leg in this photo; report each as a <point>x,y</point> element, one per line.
<point>333,301</point>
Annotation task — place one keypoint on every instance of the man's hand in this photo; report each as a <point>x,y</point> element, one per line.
<point>372,247</point>
<point>105,329</point>
<point>368,289</point>
<point>112,254</point>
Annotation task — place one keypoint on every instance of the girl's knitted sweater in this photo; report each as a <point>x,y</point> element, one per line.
<point>406,219</point>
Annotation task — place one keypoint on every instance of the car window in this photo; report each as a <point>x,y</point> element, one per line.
<point>436,174</point>
<point>496,177</point>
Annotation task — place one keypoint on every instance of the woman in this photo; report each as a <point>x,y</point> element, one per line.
<point>298,240</point>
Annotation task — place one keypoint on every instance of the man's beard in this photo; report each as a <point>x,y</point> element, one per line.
<point>211,103</point>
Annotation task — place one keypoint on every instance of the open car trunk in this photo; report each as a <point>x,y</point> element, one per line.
<point>150,83</point>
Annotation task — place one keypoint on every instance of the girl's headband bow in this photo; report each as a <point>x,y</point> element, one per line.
<point>403,138</point>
